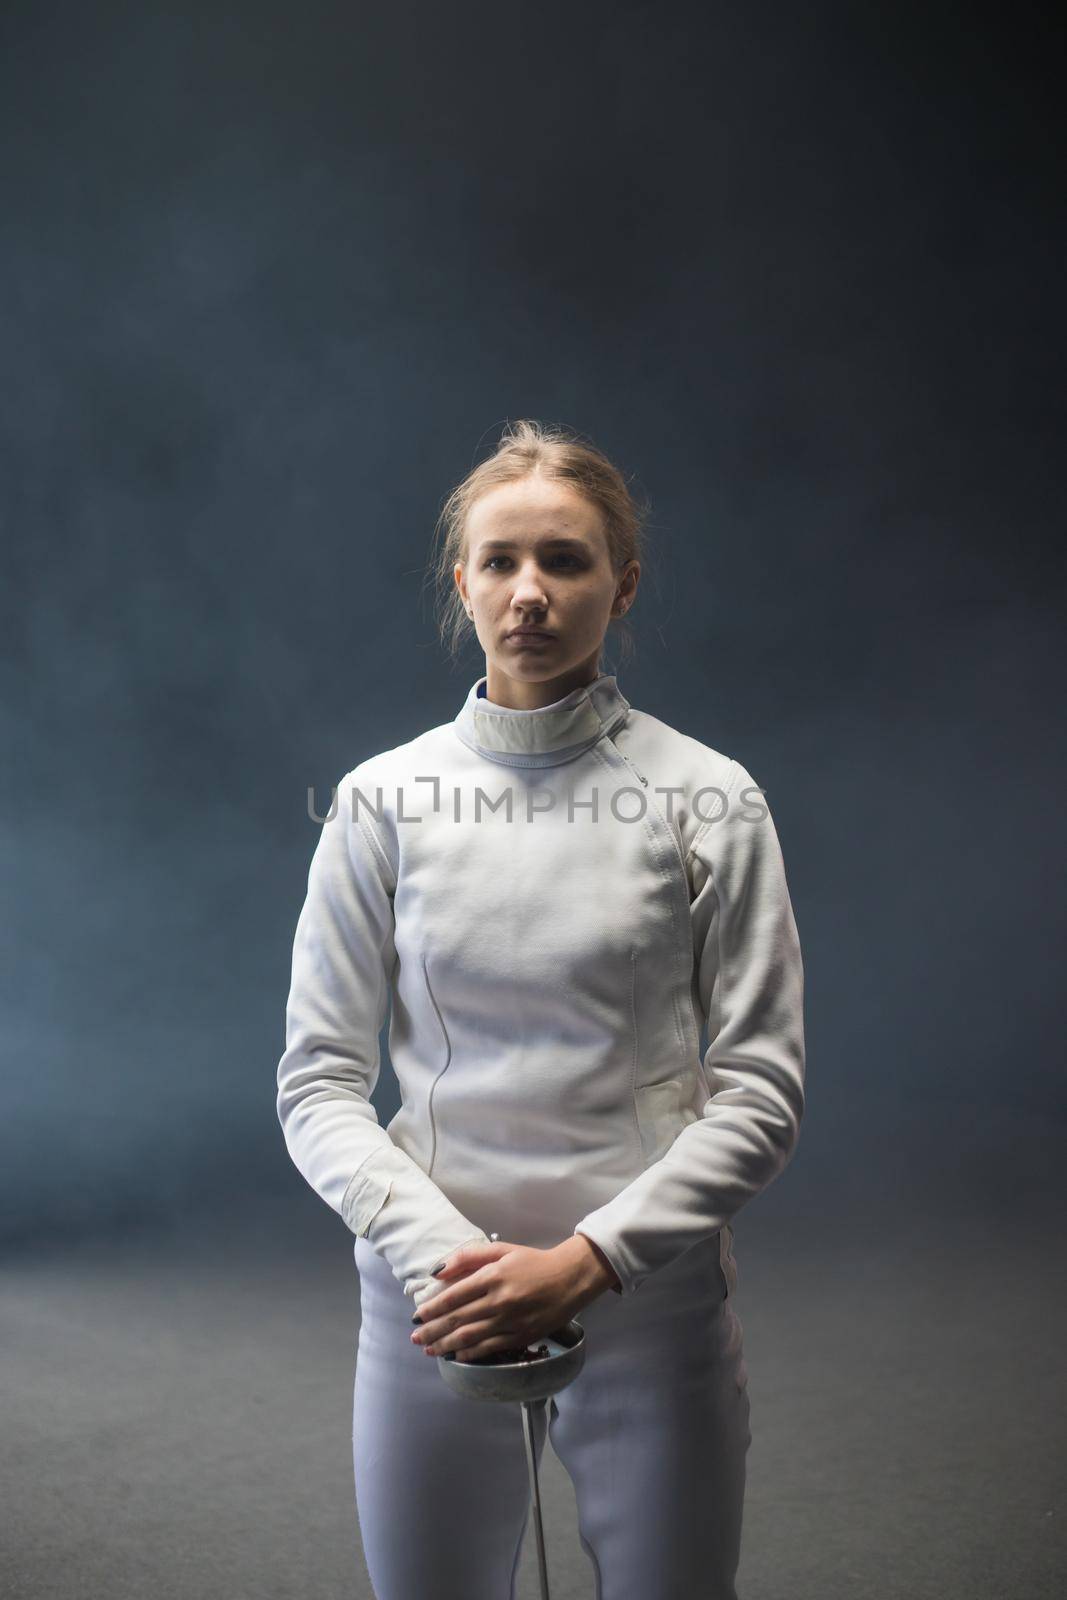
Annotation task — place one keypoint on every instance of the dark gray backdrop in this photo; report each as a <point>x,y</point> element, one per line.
<point>274,278</point>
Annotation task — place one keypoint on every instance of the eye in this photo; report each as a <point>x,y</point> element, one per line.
<point>563,555</point>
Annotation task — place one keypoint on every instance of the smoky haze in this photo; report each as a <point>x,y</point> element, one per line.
<point>273,280</point>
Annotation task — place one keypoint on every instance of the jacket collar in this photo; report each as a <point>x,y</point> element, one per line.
<point>546,736</point>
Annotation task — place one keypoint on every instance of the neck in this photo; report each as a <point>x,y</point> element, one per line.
<point>517,694</point>
<point>542,736</point>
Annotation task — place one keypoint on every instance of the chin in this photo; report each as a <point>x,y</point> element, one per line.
<point>538,660</point>
<point>550,660</point>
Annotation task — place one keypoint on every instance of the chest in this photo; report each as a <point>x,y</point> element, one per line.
<point>540,888</point>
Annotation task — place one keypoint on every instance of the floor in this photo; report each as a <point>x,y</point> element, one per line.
<point>176,1415</point>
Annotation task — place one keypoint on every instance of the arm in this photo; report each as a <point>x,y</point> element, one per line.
<point>343,952</point>
<point>751,982</point>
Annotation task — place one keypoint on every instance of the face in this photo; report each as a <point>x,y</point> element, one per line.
<point>537,556</point>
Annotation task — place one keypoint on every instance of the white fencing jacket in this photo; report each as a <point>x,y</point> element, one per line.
<point>581,918</point>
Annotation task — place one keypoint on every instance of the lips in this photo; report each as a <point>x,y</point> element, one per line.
<point>529,633</point>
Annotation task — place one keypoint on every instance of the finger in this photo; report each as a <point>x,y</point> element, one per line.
<point>462,1293</point>
<point>460,1288</point>
<point>437,1328</point>
<point>510,1342</point>
<point>470,1256</point>
<point>488,1346</point>
<point>467,1338</point>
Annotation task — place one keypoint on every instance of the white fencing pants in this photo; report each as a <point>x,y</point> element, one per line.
<point>653,1433</point>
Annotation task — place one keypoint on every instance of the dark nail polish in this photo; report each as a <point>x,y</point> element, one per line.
<point>435,1270</point>
<point>417,1317</point>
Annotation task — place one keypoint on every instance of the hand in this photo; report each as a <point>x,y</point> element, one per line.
<point>501,1296</point>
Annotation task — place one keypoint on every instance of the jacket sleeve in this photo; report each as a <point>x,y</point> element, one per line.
<point>343,955</point>
<point>750,977</point>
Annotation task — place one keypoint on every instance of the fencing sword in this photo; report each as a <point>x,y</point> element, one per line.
<point>531,1383</point>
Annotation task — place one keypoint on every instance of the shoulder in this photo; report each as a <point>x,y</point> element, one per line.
<point>697,780</point>
<point>387,768</point>
<point>395,784</point>
<point>662,742</point>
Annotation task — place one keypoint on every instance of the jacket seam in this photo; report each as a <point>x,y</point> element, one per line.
<point>720,979</point>
<point>734,774</point>
<point>366,1163</point>
<point>634,1059</point>
<point>679,1031</point>
<point>441,1071</point>
<point>377,847</point>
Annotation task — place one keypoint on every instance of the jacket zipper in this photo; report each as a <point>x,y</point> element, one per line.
<point>632,767</point>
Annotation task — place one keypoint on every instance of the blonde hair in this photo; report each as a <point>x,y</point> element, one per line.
<point>555,452</point>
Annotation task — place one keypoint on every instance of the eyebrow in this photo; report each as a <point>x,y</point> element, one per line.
<point>509,544</point>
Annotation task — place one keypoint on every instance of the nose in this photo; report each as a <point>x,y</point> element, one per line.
<point>529,591</point>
